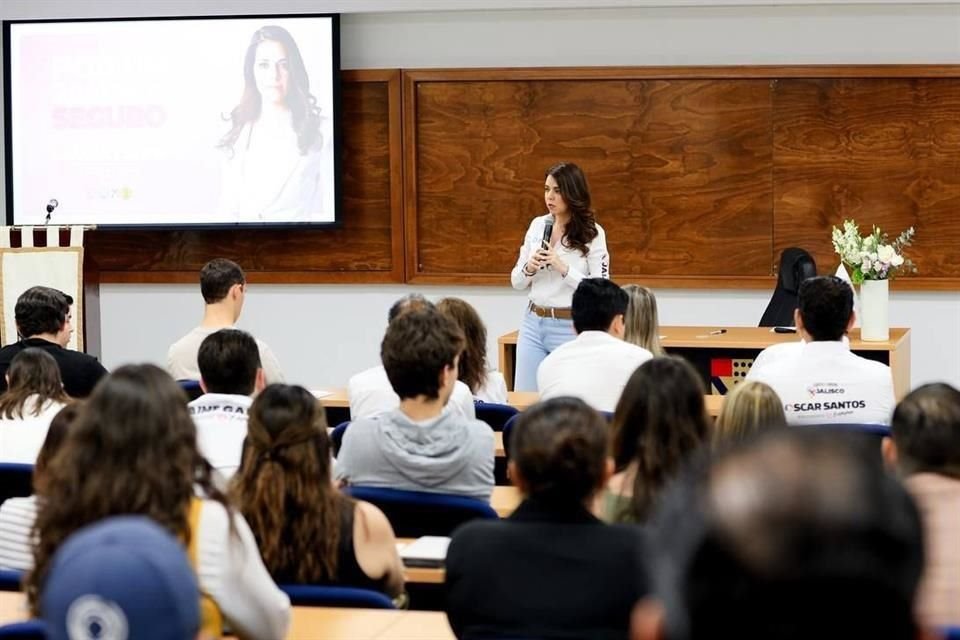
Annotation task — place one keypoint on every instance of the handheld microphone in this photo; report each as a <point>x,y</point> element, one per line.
<point>547,232</point>
<point>51,205</point>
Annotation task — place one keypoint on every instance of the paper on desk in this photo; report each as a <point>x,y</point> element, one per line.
<point>320,393</point>
<point>428,551</point>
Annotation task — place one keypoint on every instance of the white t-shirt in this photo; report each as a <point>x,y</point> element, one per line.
<point>594,367</point>
<point>370,394</point>
<point>182,357</point>
<point>221,421</point>
<point>22,438</point>
<point>494,389</point>
<point>230,568</point>
<point>548,288</point>
<point>823,382</point>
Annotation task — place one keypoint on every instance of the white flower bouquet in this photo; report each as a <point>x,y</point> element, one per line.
<point>871,257</point>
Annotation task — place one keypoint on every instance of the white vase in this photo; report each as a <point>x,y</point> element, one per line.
<point>875,310</point>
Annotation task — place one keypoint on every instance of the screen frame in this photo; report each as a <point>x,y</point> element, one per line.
<point>336,90</point>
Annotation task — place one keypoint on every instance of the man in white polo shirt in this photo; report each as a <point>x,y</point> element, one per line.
<point>597,364</point>
<point>821,381</point>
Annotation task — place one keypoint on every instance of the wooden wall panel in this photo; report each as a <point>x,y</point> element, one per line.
<point>884,151</point>
<point>680,170</point>
<point>368,247</point>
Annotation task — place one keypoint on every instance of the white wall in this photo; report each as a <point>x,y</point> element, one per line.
<point>323,333</point>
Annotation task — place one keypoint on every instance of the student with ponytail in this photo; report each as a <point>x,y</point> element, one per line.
<point>308,532</point>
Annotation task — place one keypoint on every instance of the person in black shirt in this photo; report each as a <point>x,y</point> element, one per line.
<point>44,322</point>
<point>552,569</point>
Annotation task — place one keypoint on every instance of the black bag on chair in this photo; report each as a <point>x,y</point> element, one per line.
<point>796,265</point>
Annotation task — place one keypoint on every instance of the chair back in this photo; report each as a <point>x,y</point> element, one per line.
<point>336,437</point>
<point>494,414</point>
<point>10,580</point>
<point>878,431</point>
<point>30,630</point>
<point>418,513</point>
<point>191,388</point>
<point>311,595</point>
<point>796,265</point>
<point>508,429</point>
<point>16,480</point>
<point>950,633</point>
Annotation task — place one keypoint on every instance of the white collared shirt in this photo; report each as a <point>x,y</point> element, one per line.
<point>594,367</point>
<point>370,394</point>
<point>823,382</point>
<point>548,288</point>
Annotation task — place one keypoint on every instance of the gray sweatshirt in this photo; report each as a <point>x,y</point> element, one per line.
<point>448,454</point>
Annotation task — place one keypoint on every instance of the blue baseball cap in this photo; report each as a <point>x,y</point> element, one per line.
<point>122,577</point>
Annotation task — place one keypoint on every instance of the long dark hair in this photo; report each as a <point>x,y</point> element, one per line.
<point>659,421</point>
<point>302,104</point>
<point>132,450</point>
<point>33,373</point>
<point>473,359</point>
<point>283,487</point>
<point>582,227</point>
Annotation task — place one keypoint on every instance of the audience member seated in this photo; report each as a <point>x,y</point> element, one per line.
<point>597,364</point>
<point>224,287</point>
<point>123,577</point>
<point>420,446</point>
<point>750,408</point>
<point>822,381</point>
<point>640,324</point>
<point>797,535</point>
<point>230,374</point>
<point>370,392</point>
<point>485,383</point>
<point>18,514</point>
<point>659,423</point>
<point>307,531</point>
<point>551,569</point>
<point>34,395</point>
<point>925,449</point>
<point>44,321</point>
<point>133,450</point>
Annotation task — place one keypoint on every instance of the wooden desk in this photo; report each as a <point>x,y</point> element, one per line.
<point>311,623</point>
<point>698,346</point>
<point>338,399</point>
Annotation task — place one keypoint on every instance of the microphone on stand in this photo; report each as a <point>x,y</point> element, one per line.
<point>547,232</point>
<point>51,205</point>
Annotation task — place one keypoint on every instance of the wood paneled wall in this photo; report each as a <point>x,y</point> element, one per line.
<point>700,176</point>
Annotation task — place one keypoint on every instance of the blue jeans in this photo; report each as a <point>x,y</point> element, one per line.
<point>538,337</point>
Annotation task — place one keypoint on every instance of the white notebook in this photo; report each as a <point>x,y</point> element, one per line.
<point>428,551</point>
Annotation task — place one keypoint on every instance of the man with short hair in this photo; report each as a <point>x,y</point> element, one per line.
<point>596,365</point>
<point>370,392</point>
<point>798,534</point>
<point>421,445</point>
<point>925,450</point>
<point>230,374</point>
<point>821,381</point>
<point>44,321</point>
<point>122,577</point>
<point>223,286</point>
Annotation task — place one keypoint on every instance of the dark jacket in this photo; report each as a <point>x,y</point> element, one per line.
<point>79,371</point>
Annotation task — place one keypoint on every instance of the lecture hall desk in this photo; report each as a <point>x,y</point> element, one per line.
<point>697,345</point>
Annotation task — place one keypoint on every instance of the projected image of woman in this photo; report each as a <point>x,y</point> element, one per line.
<point>274,165</point>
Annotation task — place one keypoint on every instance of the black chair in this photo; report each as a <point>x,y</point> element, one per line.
<point>796,265</point>
<point>495,415</point>
<point>10,580</point>
<point>16,480</point>
<point>311,595</point>
<point>336,436</point>
<point>418,513</point>
<point>191,388</point>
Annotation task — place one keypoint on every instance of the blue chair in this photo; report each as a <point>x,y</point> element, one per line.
<point>495,415</point>
<point>336,436</point>
<point>950,633</point>
<point>191,388</point>
<point>16,480</point>
<point>30,630</point>
<point>418,513</point>
<point>10,580</point>
<point>309,595</point>
<point>877,430</point>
